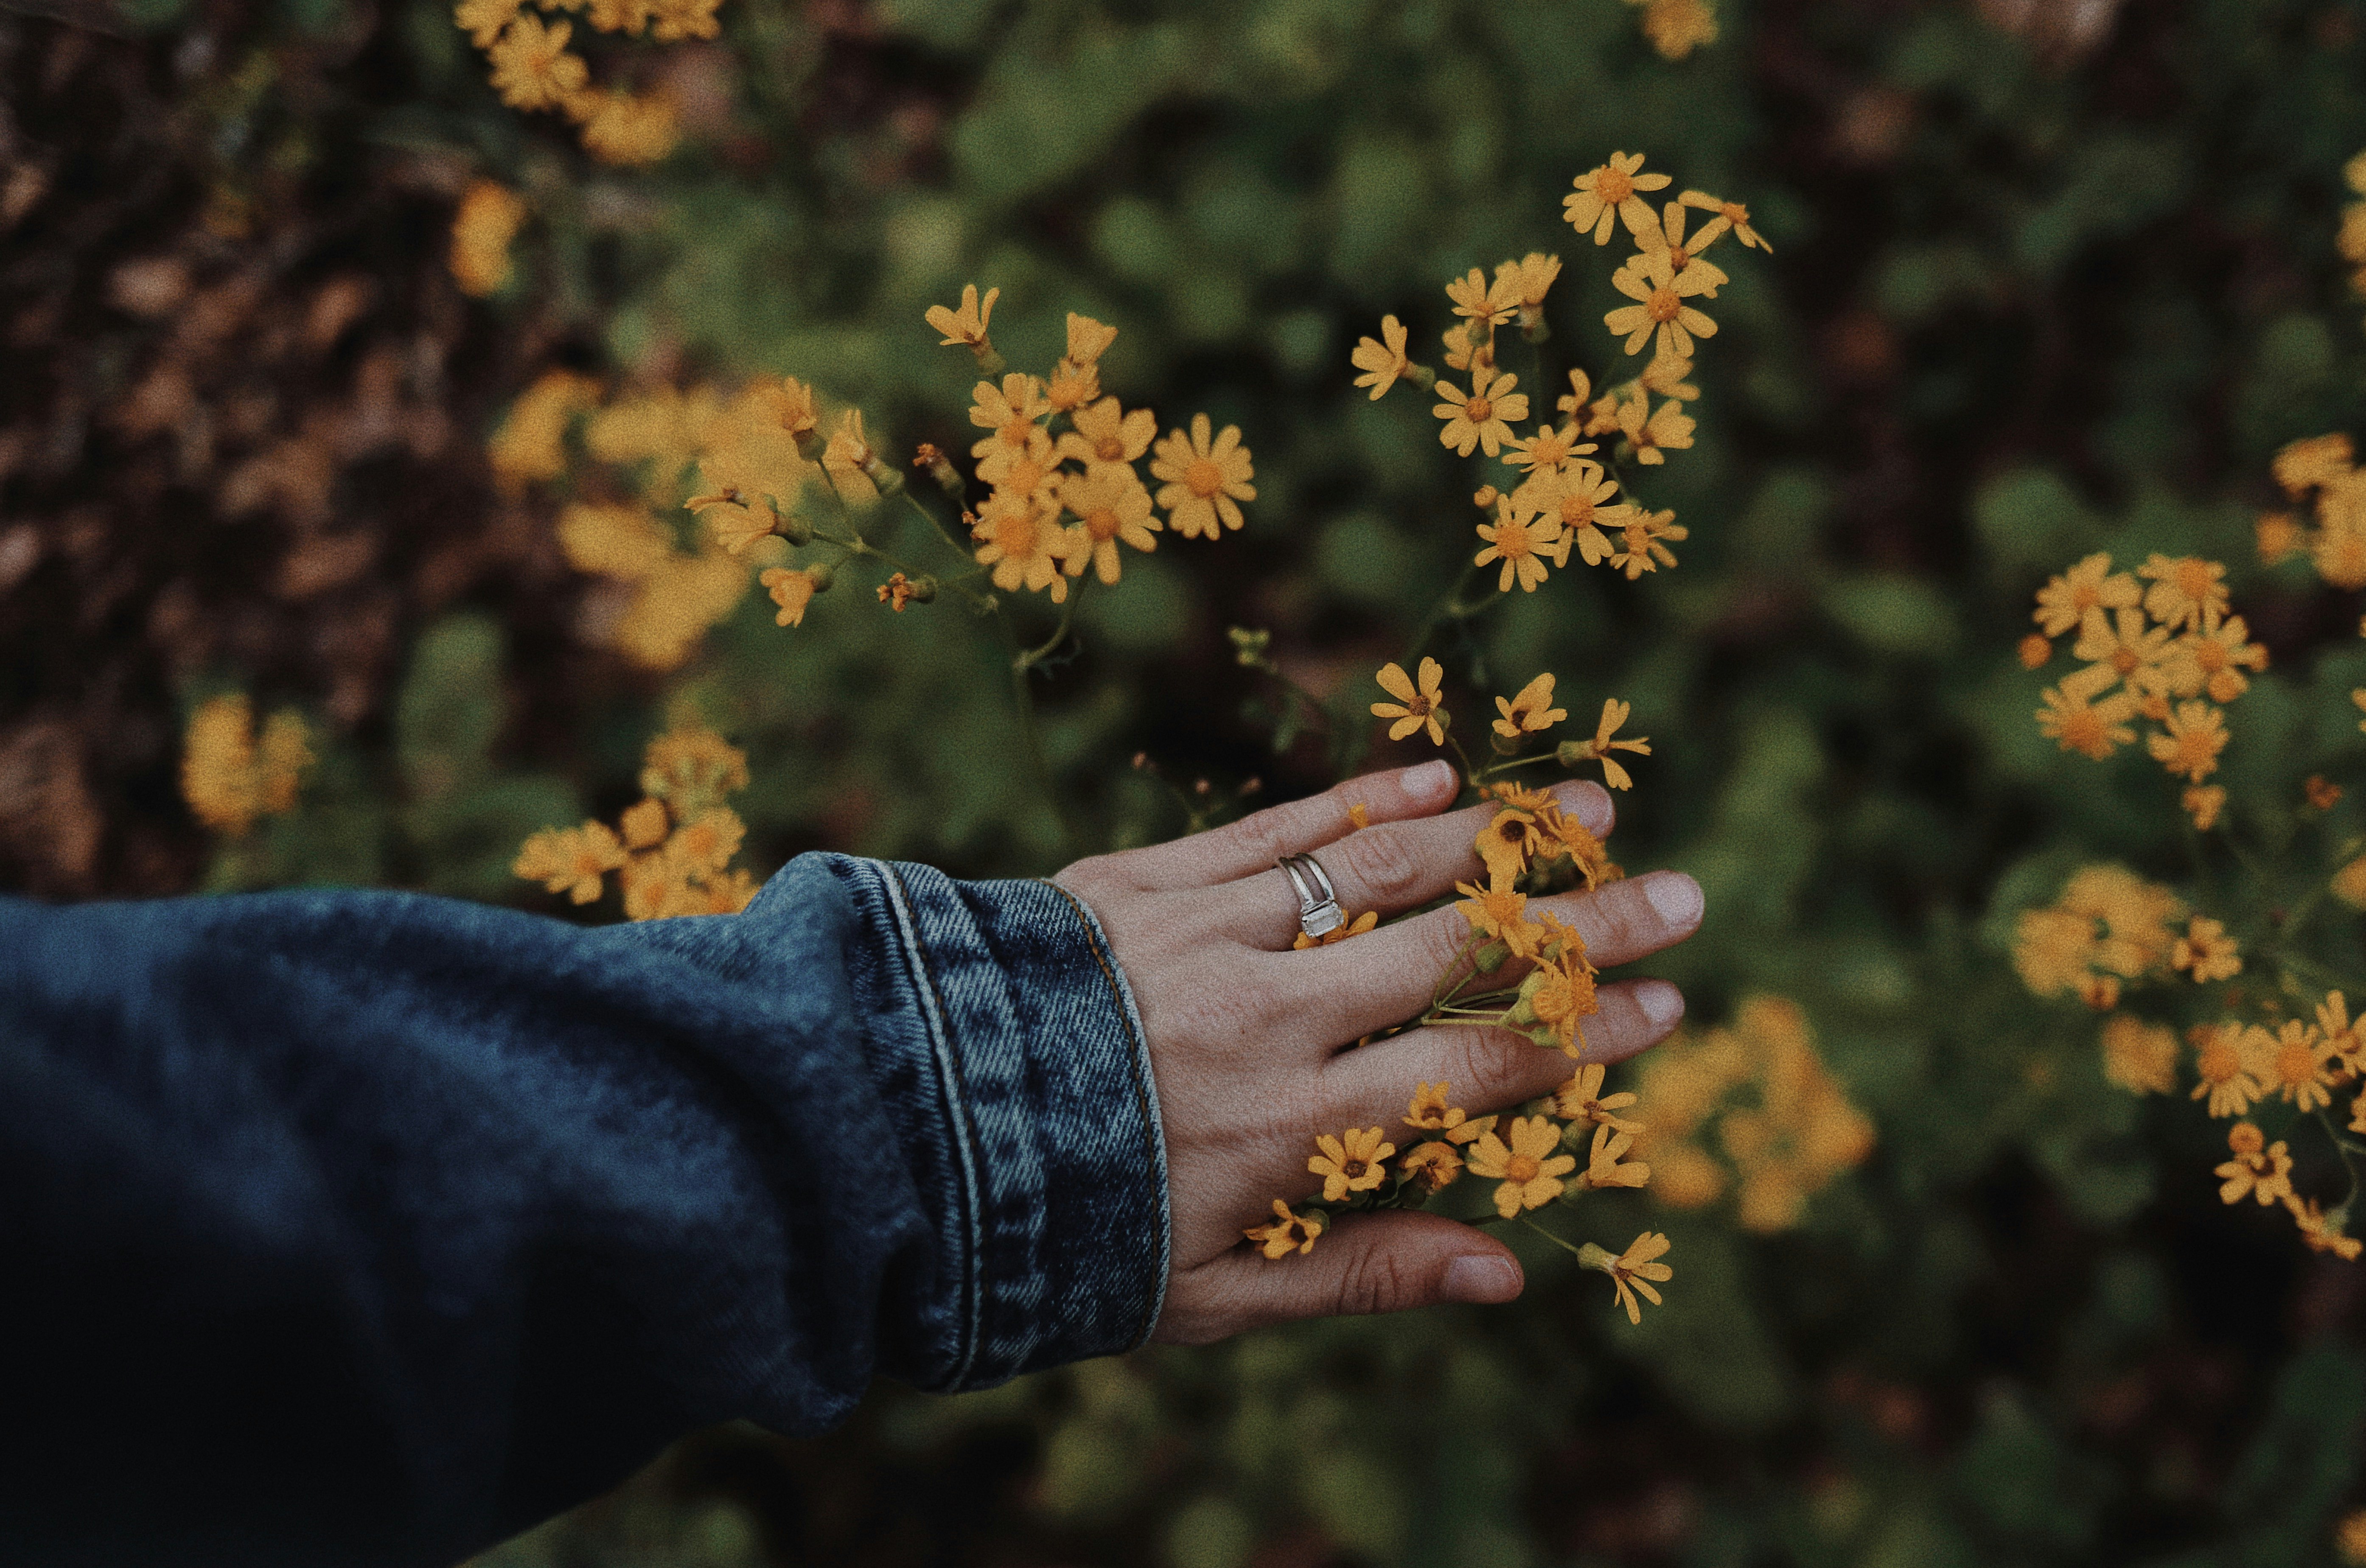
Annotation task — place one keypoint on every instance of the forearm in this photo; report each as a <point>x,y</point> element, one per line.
<point>368,1226</point>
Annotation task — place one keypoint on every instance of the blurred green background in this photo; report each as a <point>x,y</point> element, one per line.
<point>2049,276</point>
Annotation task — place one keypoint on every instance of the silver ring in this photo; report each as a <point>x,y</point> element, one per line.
<point>1317,916</point>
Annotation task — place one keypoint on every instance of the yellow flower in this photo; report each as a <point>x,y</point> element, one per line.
<point>1413,708</point>
<point>1111,504</point>
<point>678,19</point>
<point>1359,816</point>
<point>2073,719</point>
<point>2206,950</point>
<point>1289,1232</point>
<point>1531,278</point>
<point>2342,1038</point>
<point>1500,910</point>
<point>570,859</point>
<point>1530,711</point>
<point>2203,803</point>
<point>1506,844</point>
<point>1546,451</point>
<point>1072,387</point>
<point>1660,312</point>
<point>1560,993</point>
<point>1429,1111</point>
<point>1011,411</point>
<point>691,768</point>
<point>488,218</point>
<point>2324,1235</point>
<point>618,16</point>
<point>2197,733</point>
<point>1666,238</point>
<point>2064,602</point>
<point>2296,1066</point>
<point>531,442</point>
<point>2277,536</point>
<point>1578,498</point>
<point>1020,538</point>
<point>899,590</point>
<point>1435,1165</point>
<point>229,778</point>
<point>2138,1056</point>
<point>1106,433</point>
<point>1087,340</point>
<point>1604,1166</point>
<point>1635,1269</point>
<point>964,328</point>
<point>532,69</point>
<point>2349,884</point>
<point>2186,591</point>
<point>2209,662</point>
<point>2259,1170</point>
<point>792,590</point>
<point>629,130</point>
<point>1609,189</point>
<point>1642,543</point>
<point>1666,375</point>
<point>1522,540</point>
<point>2311,463</point>
<point>1381,363</point>
<point>1352,1163</point>
<point>2226,1080</point>
<point>847,456</point>
<point>2322,794</point>
<point>1582,1100</point>
<point>1730,214</point>
<point>1598,749</point>
<point>2120,642</point>
<point>1484,418</point>
<point>1354,927</point>
<point>1654,432</point>
<point>483,20</point>
<point>1461,353</point>
<point>644,825</point>
<point>1485,304</point>
<point>1204,481</point>
<point>1528,1170</point>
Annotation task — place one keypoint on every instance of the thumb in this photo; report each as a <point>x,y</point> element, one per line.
<point>1366,1263</point>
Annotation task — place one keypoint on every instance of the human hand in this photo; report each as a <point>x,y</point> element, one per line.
<point>1247,1038</point>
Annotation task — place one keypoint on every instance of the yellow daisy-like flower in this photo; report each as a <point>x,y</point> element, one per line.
<point>570,859</point>
<point>1660,311</point>
<point>645,824</point>
<point>1435,1165</point>
<point>1087,340</point>
<point>1654,432</point>
<point>1530,280</point>
<point>1635,1269</point>
<point>1676,27</point>
<point>1643,543</point>
<point>2297,1067</point>
<point>629,130</point>
<point>2324,1235</point>
<point>1110,505</point>
<point>2203,803</point>
<point>1666,375</point>
<point>488,218</point>
<point>1500,910</point>
<point>1579,498</point>
<point>1531,711</point>
<point>674,20</point>
<point>1350,1163</point>
<point>1382,362</point>
<point>1730,215</point>
<point>532,68</point>
<point>1031,470</point>
<point>1461,352</point>
<point>1485,304</point>
<point>1011,411</point>
<point>1598,749</point>
<point>1484,418</point>
<point>1521,540</point>
<point>1607,191</point>
<point>1020,538</point>
<point>1607,1165</point>
<point>2072,719</point>
<point>1547,450</point>
<point>1666,238</point>
<point>1072,387</point>
<point>1289,1232</point>
<point>2260,1169</point>
<point>2121,641</point>
<point>1582,1100</point>
<point>2197,733</point>
<point>483,20</point>
<point>2226,1081</point>
<point>792,590</point>
<point>1527,1169</point>
<point>2211,661</point>
<point>2314,462</point>
<point>1415,707</point>
<point>2186,590</point>
<point>1205,481</point>
<point>1104,433</point>
<point>2207,951</point>
<point>964,328</point>
<point>1431,1111</point>
<point>2138,1056</point>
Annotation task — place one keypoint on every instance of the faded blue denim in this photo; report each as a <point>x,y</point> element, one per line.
<point>365,1227</point>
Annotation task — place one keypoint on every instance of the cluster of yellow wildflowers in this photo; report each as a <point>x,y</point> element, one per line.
<point>230,776</point>
<point>1784,1125</point>
<point>2161,645</point>
<point>532,68</point>
<point>1520,969</point>
<point>766,475</point>
<point>671,851</point>
<point>1565,499</point>
<point>2163,648</point>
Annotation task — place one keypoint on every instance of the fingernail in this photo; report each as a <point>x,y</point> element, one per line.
<point>1482,1277</point>
<point>1434,780</point>
<point>1661,1002</point>
<point>1676,896</point>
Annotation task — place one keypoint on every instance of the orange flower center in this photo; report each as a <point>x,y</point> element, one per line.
<point>1101,523</point>
<point>1014,534</point>
<point>1576,510</point>
<point>1663,304</point>
<point>1613,186</point>
<point>1479,411</point>
<point>1203,478</point>
<point>2218,1062</point>
<point>2124,660</point>
<point>1025,477</point>
<point>1015,431</point>
<point>1678,257</point>
<point>1512,541</point>
<point>2193,579</point>
<point>1352,1168</point>
<point>2082,730</point>
<point>1108,449</point>
<point>1520,1168</point>
<point>2211,655</point>
<point>2296,1064</point>
<point>1419,705</point>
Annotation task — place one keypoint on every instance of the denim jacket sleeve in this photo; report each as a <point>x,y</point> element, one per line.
<point>365,1227</point>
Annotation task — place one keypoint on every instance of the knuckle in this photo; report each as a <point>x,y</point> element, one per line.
<point>1260,837</point>
<point>1383,860</point>
<point>1374,1282</point>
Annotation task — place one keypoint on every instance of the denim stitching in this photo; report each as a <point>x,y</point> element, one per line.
<point>1145,1088</point>
<point>941,1040</point>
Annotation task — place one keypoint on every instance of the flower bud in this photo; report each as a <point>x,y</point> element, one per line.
<point>822,576</point>
<point>1570,753</point>
<point>990,364</point>
<point>1485,497</point>
<point>939,471</point>
<point>1490,957</point>
<point>793,528</point>
<point>924,589</point>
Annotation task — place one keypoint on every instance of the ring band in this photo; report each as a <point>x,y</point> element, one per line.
<point>1318,915</point>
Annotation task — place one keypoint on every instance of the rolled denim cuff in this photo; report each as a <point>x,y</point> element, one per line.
<point>1007,1044</point>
